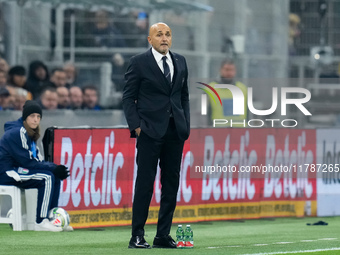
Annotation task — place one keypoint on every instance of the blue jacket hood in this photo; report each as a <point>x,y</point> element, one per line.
<point>13,124</point>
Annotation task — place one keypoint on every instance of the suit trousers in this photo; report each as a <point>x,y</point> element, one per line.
<point>168,150</point>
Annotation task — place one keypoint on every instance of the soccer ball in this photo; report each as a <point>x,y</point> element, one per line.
<point>59,217</point>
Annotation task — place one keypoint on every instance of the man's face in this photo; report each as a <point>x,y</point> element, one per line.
<point>7,102</point>
<point>90,98</point>
<point>228,71</point>
<point>19,80</point>
<point>70,72</point>
<point>50,100</point>
<point>160,38</point>
<point>63,96</point>
<point>101,19</point>
<point>76,97</point>
<point>3,79</point>
<point>59,78</point>
<point>20,100</point>
<point>33,120</point>
<point>40,73</point>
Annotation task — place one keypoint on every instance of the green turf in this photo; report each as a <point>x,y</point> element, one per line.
<point>209,237</point>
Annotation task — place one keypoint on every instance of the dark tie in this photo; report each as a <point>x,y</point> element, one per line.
<point>166,70</point>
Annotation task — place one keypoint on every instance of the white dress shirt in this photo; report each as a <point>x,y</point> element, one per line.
<point>158,57</point>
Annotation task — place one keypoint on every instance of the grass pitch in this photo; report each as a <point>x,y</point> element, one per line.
<point>264,236</point>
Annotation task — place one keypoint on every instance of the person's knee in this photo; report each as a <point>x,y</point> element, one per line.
<point>54,180</point>
<point>49,177</point>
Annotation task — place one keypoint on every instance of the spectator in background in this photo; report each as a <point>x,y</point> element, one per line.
<point>20,98</point>
<point>134,26</point>
<point>3,78</point>
<point>71,74</point>
<point>8,100</point>
<point>38,79</point>
<point>294,32</point>
<point>17,79</point>
<point>90,98</point>
<point>58,78</point>
<point>5,99</point>
<point>105,33</point>
<point>63,98</point>
<point>227,75</point>
<point>17,76</point>
<point>118,70</point>
<point>142,25</point>
<point>49,99</point>
<point>3,65</point>
<point>76,97</point>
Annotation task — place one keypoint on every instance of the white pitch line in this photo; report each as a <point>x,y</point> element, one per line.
<point>227,246</point>
<point>263,244</point>
<point>327,239</point>
<point>291,252</point>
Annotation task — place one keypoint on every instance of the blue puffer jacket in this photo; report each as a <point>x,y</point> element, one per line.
<point>16,150</point>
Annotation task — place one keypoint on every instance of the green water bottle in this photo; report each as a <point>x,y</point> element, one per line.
<point>180,237</point>
<point>188,237</point>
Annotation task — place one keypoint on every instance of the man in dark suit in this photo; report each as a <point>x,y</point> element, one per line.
<point>156,107</point>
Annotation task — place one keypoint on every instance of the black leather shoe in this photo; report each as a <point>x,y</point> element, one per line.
<point>164,242</point>
<point>138,242</point>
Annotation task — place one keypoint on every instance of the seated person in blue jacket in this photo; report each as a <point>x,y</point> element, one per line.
<point>21,164</point>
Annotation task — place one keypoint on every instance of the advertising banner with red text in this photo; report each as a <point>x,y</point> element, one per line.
<point>225,174</point>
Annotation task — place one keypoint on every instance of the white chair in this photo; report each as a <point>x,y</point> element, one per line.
<point>16,195</point>
<point>23,207</point>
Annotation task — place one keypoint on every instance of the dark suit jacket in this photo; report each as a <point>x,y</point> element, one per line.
<point>148,99</point>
